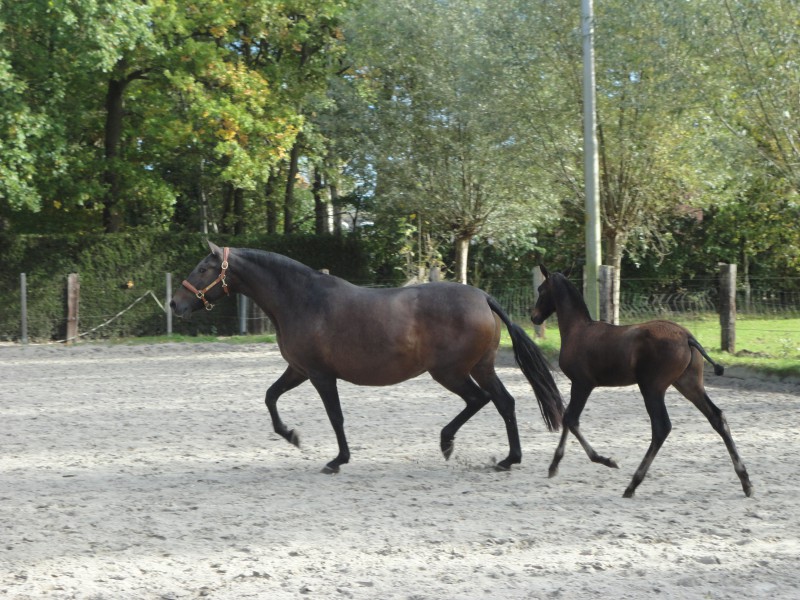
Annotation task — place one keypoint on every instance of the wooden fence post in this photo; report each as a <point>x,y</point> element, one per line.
<point>168,299</point>
<point>23,289</point>
<point>73,300</point>
<point>727,306</point>
<point>538,279</point>
<point>605,277</point>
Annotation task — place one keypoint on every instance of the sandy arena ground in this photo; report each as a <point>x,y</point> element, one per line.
<point>152,472</point>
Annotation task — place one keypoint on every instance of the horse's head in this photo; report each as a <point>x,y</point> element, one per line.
<point>545,303</point>
<point>205,284</point>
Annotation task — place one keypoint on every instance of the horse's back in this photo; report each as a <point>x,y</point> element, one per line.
<point>387,335</point>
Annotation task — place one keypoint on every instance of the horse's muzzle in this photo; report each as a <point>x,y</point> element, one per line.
<point>182,309</point>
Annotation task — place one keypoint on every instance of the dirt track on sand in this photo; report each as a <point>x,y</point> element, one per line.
<point>153,472</point>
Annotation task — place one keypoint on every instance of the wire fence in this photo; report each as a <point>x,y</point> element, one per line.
<point>146,315</point>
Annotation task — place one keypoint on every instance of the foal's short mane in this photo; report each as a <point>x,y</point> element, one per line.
<point>569,292</point>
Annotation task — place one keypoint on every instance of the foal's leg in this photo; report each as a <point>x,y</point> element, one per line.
<point>289,380</point>
<point>660,426</point>
<point>571,423</point>
<point>691,386</point>
<point>326,386</point>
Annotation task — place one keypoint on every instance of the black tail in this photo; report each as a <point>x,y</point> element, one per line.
<point>718,368</point>
<point>535,368</point>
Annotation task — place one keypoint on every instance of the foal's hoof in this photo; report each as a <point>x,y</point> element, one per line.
<point>330,469</point>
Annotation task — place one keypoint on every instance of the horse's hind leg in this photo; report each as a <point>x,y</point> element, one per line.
<point>289,380</point>
<point>660,426</point>
<point>691,386</point>
<point>571,423</point>
<point>476,399</point>
<point>326,387</point>
<point>505,404</point>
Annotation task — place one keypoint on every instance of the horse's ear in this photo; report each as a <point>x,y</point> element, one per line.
<point>544,270</point>
<point>568,271</point>
<point>215,250</point>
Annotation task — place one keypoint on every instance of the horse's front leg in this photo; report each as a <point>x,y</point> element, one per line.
<point>326,386</point>
<point>290,379</point>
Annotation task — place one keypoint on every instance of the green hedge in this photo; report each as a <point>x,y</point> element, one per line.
<point>105,263</point>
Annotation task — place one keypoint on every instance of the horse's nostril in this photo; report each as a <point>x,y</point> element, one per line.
<point>172,304</point>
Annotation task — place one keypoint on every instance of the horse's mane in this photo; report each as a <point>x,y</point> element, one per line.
<point>277,263</point>
<point>570,291</point>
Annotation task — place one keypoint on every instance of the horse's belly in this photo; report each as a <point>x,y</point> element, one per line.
<point>374,374</point>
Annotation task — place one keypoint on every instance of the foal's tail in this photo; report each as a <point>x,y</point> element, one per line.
<point>718,368</point>
<point>536,369</point>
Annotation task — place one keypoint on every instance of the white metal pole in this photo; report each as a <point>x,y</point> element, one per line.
<point>591,167</point>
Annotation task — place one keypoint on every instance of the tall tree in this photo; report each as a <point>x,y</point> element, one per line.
<point>441,153</point>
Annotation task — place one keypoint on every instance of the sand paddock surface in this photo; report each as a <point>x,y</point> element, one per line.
<point>139,472</point>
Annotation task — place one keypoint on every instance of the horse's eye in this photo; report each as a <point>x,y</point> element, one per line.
<point>202,270</point>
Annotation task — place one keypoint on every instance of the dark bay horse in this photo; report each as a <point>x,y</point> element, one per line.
<point>653,355</point>
<point>329,329</point>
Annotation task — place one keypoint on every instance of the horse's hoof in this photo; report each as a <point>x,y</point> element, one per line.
<point>293,438</point>
<point>448,451</point>
<point>552,472</point>
<point>502,468</point>
<point>330,470</point>
<point>748,491</point>
<point>628,493</point>
<point>610,462</point>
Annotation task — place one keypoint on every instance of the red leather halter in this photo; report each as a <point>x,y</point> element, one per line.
<point>220,278</point>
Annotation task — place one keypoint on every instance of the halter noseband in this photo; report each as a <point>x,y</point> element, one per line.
<point>220,278</point>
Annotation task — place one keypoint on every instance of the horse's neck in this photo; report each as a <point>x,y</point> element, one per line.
<point>573,314</point>
<point>274,284</point>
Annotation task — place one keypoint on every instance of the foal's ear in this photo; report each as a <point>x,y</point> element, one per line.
<point>544,270</point>
<point>215,250</point>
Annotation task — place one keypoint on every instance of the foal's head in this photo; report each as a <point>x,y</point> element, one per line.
<point>545,304</point>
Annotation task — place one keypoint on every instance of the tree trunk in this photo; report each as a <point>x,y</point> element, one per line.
<point>288,198</point>
<point>227,207</point>
<point>336,210</point>
<point>113,135</point>
<point>238,211</point>
<point>321,225</point>
<point>272,208</point>
<point>462,254</point>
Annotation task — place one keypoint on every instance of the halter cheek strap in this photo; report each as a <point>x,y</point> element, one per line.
<point>201,294</point>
